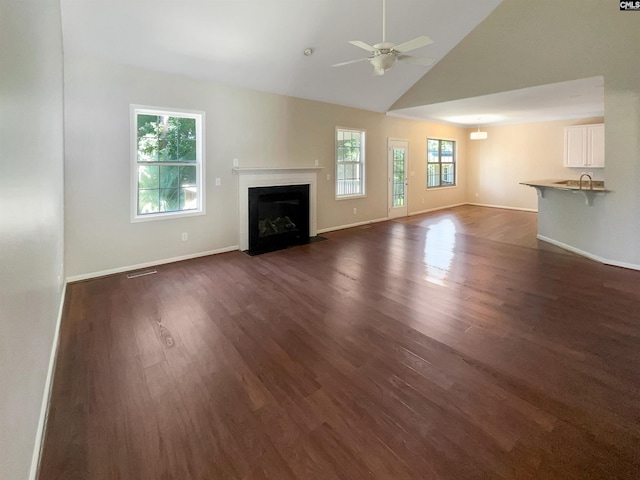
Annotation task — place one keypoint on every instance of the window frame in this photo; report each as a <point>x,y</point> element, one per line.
<point>362,163</point>
<point>199,116</point>
<point>454,162</point>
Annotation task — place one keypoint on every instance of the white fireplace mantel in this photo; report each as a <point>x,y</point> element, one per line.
<point>249,177</point>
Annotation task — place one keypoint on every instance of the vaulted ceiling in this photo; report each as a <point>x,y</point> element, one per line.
<point>260,44</point>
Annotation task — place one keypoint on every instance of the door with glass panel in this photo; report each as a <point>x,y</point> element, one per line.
<point>397,178</point>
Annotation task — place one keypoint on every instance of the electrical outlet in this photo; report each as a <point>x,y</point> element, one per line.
<point>185,236</point>
<point>218,181</point>
<point>316,162</point>
<point>328,176</point>
<point>355,210</point>
<point>235,162</point>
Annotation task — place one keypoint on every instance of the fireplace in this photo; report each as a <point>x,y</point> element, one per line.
<point>251,177</point>
<point>278,217</point>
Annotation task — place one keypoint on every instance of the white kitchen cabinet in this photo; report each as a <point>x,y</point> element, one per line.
<point>584,146</point>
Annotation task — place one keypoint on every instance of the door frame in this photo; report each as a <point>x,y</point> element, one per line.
<point>395,212</point>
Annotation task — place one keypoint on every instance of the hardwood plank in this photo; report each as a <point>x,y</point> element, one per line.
<point>452,345</point>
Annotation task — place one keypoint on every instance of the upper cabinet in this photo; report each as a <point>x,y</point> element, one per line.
<point>584,146</point>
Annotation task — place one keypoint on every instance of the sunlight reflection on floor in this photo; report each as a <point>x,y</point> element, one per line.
<point>439,250</point>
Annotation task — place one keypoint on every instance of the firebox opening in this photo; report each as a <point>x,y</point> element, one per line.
<point>278,217</point>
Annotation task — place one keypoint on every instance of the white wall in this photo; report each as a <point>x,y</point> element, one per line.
<point>259,129</point>
<point>516,153</point>
<point>526,44</point>
<point>31,219</point>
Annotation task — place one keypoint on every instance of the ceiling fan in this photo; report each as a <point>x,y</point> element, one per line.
<point>384,55</point>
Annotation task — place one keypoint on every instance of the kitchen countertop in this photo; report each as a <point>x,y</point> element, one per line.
<point>598,185</point>
<point>573,186</point>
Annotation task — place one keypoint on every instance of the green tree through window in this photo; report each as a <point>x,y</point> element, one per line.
<point>168,163</point>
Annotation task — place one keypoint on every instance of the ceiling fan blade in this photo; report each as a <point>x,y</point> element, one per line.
<point>418,42</point>
<point>350,61</point>
<point>364,46</point>
<point>425,62</point>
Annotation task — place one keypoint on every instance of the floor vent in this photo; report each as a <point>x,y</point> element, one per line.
<point>141,274</point>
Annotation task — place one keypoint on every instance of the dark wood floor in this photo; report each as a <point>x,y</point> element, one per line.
<point>446,346</point>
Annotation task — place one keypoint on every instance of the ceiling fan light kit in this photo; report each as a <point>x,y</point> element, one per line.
<point>385,55</point>
<point>383,62</point>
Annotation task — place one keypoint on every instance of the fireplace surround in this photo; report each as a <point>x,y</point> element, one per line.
<point>249,177</point>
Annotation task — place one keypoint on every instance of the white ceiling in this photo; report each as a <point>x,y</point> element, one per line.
<point>574,99</point>
<point>259,44</point>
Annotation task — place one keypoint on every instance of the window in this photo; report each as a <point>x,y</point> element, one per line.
<point>441,163</point>
<point>349,163</point>
<point>167,167</point>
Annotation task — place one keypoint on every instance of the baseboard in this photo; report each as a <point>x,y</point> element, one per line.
<point>44,409</point>
<point>522,209</point>
<point>103,273</point>
<point>436,209</point>
<point>351,225</point>
<point>588,255</point>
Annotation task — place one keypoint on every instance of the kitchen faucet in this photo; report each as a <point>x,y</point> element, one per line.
<point>590,181</point>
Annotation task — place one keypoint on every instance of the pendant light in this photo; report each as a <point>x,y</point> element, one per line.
<point>478,135</point>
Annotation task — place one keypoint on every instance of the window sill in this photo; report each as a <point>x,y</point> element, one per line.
<point>166,216</point>
<point>350,197</point>
<point>431,189</point>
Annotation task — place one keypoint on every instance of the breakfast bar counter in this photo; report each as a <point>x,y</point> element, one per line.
<point>588,188</point>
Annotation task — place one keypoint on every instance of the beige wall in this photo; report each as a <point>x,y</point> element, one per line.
<point>31,221</point>
<point>525,44</point>
<point>257,128</point>
<point>516,153</point>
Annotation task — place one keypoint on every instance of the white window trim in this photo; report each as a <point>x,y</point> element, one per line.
<point>134,111</point>
<point>455,162</point>
<point>364,164</point>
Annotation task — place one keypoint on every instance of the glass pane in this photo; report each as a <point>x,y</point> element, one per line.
<point>186,139</point>
<point>148,176</point>
<point>188,176</point>
<point>187,150</point>
<point>340,172</point>
<point>341,153</point>
<point>169,176</point>
<point>433,175</point>
<point>448,174</point>
<point>432,150</point>
<point>146,124</point>
<point>148,201</point>
<point>398,178</point>
<point>166,141</point>
<point>188,198</point>
<point>446,151</point>
<point>169,199</point>
<point>147,138</point>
